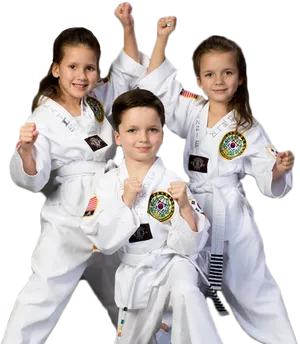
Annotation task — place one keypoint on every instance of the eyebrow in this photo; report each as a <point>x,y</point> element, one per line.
<point>149,126</point>
<point>211,70</point>
<point>86,64</point>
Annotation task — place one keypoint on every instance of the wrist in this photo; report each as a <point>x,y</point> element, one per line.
<point>128,29</point>
<point>126,201</point>
<point>186,209</point>
<point>162,39</point>
<point>25,152</point>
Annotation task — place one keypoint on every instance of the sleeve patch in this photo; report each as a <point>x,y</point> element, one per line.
<point>272,151</point>
<point>196,206</point>
<point>91,208</point>
<point>187,94</point>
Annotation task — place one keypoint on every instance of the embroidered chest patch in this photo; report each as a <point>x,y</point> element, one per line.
<point>143,233</point>
<point>91,208</point>
<point>161,206</point>
<point>198,163</point>
<point>96,107</point>
<point>232,145</point>
<point>95,142</point>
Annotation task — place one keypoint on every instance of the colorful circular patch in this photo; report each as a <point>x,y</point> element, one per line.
<point>161,206</point>
<point>232,145</point>
<point>96,107</point>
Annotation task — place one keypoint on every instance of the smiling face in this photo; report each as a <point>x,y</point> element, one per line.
<point>219,76</point>
<point>140,134</point>
<point>77,72</point>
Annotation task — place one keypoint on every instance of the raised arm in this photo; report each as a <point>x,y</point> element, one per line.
<point>123,13</point>
<point>165,27</point>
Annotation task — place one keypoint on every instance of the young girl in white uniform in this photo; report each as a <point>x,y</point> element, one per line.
<point>68,132</point>
<point>223,143</point>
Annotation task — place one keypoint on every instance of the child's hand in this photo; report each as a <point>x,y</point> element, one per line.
<point>131,188</point>
<point>28,136</point>
<point>166,26</point>
<point>285,161</point>
<point>178,192</point>
<point>123,13</point>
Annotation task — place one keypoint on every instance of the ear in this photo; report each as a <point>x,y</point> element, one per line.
<point>240,81</point>
<point>55,70</point>
<point>117,138</point>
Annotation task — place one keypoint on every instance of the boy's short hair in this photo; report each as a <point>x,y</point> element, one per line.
<point>136,98</point>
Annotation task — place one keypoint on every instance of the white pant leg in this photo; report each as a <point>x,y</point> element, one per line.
<point>100,274</point>
<point>250,289</point>
<point>58,262</point>
<point>192,322</point>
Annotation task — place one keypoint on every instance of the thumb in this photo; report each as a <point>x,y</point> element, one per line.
<point>281,155</point>
<point>35,134</point>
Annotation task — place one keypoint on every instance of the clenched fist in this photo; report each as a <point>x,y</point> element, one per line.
<point>131,188</point>
<point>166,26</point>
<point>285,161</point>
<point>123,12</point>
<point>28,136</point>
<point>178,192</point>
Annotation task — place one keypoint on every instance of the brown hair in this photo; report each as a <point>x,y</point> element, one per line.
<point>240,101</point>
<point>70,37</point>
<point>136,98</point>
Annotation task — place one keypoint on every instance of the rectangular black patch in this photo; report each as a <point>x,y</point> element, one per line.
<point>95,142</point>
<point>143,233</point>
<point>198,163</point>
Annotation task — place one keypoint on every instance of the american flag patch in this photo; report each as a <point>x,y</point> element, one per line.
<point>188,94</point>
<point>91,208</point>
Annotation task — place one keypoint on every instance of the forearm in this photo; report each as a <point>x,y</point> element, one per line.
<point>187,214</point>
<point>158,54</point>
<point>130,44</point>
<point>277,173</point>
<point>29,164</point>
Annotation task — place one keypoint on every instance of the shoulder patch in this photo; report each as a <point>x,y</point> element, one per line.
<point>187,94</point>
<point>92,206</point>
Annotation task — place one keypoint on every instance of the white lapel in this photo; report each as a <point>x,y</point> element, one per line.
<point>150,184</point>
<point>222,126</point>
<point>63,116</point>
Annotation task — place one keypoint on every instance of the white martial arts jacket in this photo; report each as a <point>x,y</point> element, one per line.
<point>76,147</point>
<point>146,246</point>
<point>215,159</point>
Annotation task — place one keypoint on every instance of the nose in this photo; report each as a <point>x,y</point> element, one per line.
<point>219,79</point>
<point>81,74</point>
<point>143,136</point>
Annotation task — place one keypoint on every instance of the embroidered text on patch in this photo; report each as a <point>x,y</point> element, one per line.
<point>91,208</point>
<point>188,94</point>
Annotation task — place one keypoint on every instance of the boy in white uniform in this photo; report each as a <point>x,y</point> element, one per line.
<point>146,213</point>
<point>223,143</point>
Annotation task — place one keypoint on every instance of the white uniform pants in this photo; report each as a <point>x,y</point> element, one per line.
<point>60,258</point>
<point>192,322</point>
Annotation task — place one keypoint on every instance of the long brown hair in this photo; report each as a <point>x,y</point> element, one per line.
<point>70,37</point>
<point>240,101</point>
